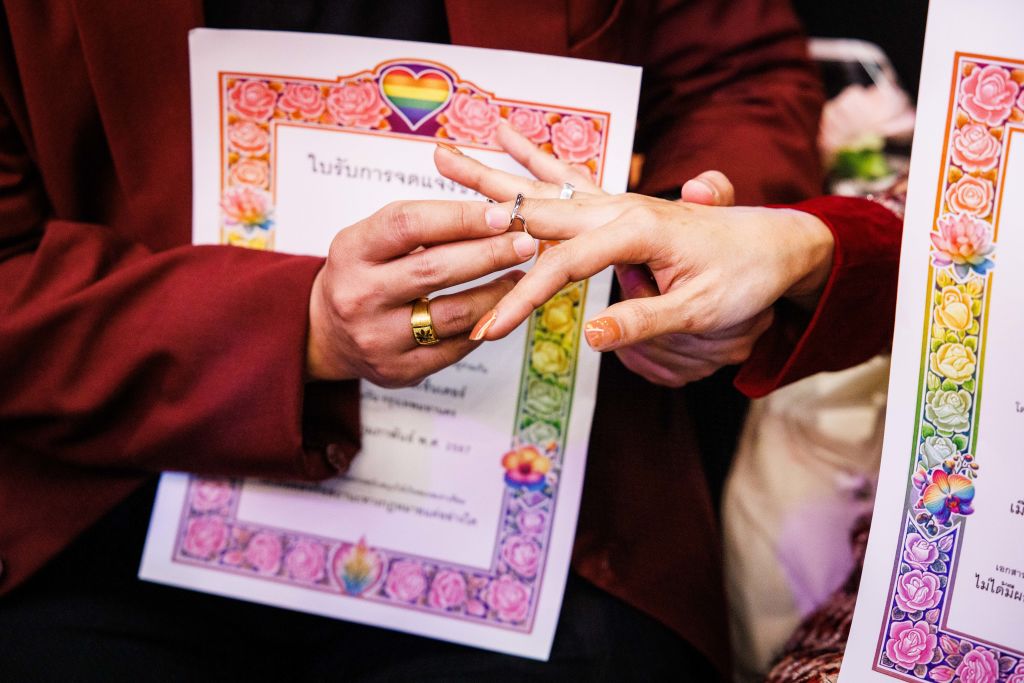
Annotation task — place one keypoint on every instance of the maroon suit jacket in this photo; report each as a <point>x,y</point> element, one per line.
<point>124,351</point>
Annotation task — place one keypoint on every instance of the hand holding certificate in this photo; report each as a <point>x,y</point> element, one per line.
<point>456,520</point>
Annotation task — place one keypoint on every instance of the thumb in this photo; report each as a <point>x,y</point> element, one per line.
<point>710,188</point>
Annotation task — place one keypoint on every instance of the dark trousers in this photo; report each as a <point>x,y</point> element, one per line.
<point>86,617</point>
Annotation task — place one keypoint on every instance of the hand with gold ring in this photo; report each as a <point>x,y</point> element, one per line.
<point>362,303</point>
<point>660,338</point>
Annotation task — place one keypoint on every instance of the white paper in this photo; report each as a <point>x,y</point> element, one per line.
<point>943,599</point>
<point>429,533</point>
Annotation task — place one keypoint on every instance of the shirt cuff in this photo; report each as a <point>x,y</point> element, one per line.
<point>853,320</point>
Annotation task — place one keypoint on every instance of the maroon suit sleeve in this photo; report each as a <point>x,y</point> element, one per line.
<point>728,86</point>
<point>854,317</point>
<point>114,356</point>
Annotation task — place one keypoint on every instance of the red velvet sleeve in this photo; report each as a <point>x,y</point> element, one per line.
<point>114,356</point>
<point>728,86</point>
<point>854,317</point>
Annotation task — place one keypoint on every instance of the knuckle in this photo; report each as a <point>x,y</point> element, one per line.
<point>465,220</point>
<point>428,267</point>
<point>739,353</point>
<point>558,258</point>
<point>644,319</point>
<point>366,343</point>
<point>451,317</point>
<point>497,251</point>
<point>642,215</point>
<point>403,221</point>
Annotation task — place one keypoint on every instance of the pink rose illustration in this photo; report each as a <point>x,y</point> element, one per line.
<point>264,552</point>
<point>980,665</point>
<point>249,172</point>
<point>252,100</point>
<point>530,123</point>
<point>575,139</point>
<point>210,494</point>
<point>509,598</point>
<point>532,521</point>
<point>988,95</point>
<point>306,560</point>
<point>247,206</point>
<point>249,138</point>
<point>472,118</point>
<point>522,554</point>
<point>971,195</point>
<point>356,104</point>
<point>910,644</point>
<point>963,241</point>
<point>302,100</point>
<point>448,590</point>
<point>1017,676</point>
<point>205,537</point>
<point>975,149</point>
<point>918,552</point>
<point>917,590</point>
<point>406,581</point>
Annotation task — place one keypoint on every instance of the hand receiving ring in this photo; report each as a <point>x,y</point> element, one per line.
<point>422,326</point>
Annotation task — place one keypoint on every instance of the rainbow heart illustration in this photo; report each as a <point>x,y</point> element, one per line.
<point>416,97</point>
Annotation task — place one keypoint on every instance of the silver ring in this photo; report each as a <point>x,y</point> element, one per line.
<point>516,216</point>
<point>568,190</point>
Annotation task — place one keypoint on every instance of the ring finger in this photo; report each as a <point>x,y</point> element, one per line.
<point>490,182</point>
<point>453,315</point>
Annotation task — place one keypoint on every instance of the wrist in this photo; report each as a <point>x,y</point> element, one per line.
<point>323,363</point>
<point>813,246</point>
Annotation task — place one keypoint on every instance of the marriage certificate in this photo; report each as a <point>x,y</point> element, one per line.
<point>942,593</point>
<point>457,519</point>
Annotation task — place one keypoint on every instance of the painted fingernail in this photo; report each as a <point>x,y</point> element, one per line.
<point>602,333</point>
<point>450,148</point>
<point>497,218</point>
<point>485,324</point>
<point>524,244</point>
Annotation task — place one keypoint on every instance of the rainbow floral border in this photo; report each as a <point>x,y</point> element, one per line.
<point>915,644</point>
<point>401,98</point>
<point>506,595</point>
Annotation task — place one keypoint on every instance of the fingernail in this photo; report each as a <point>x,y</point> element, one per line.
<point>602,333</point>
<point>339,458</point>
<point>524,244</point>
<point>701,186</point>
<point>450,148</point>
<point>485,324</point>
<point>497,218</point>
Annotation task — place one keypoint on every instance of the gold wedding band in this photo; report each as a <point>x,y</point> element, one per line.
<point>422,326</point>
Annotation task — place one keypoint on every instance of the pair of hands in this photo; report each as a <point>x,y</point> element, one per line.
<point>700,280</point>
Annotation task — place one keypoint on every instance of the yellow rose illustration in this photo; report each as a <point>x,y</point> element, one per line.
<point>955,362</point>
<point>549,358</point>
<point>953,309</point>
<point>975,287</point>
<point>237,240</point>
<point>557,315</point>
